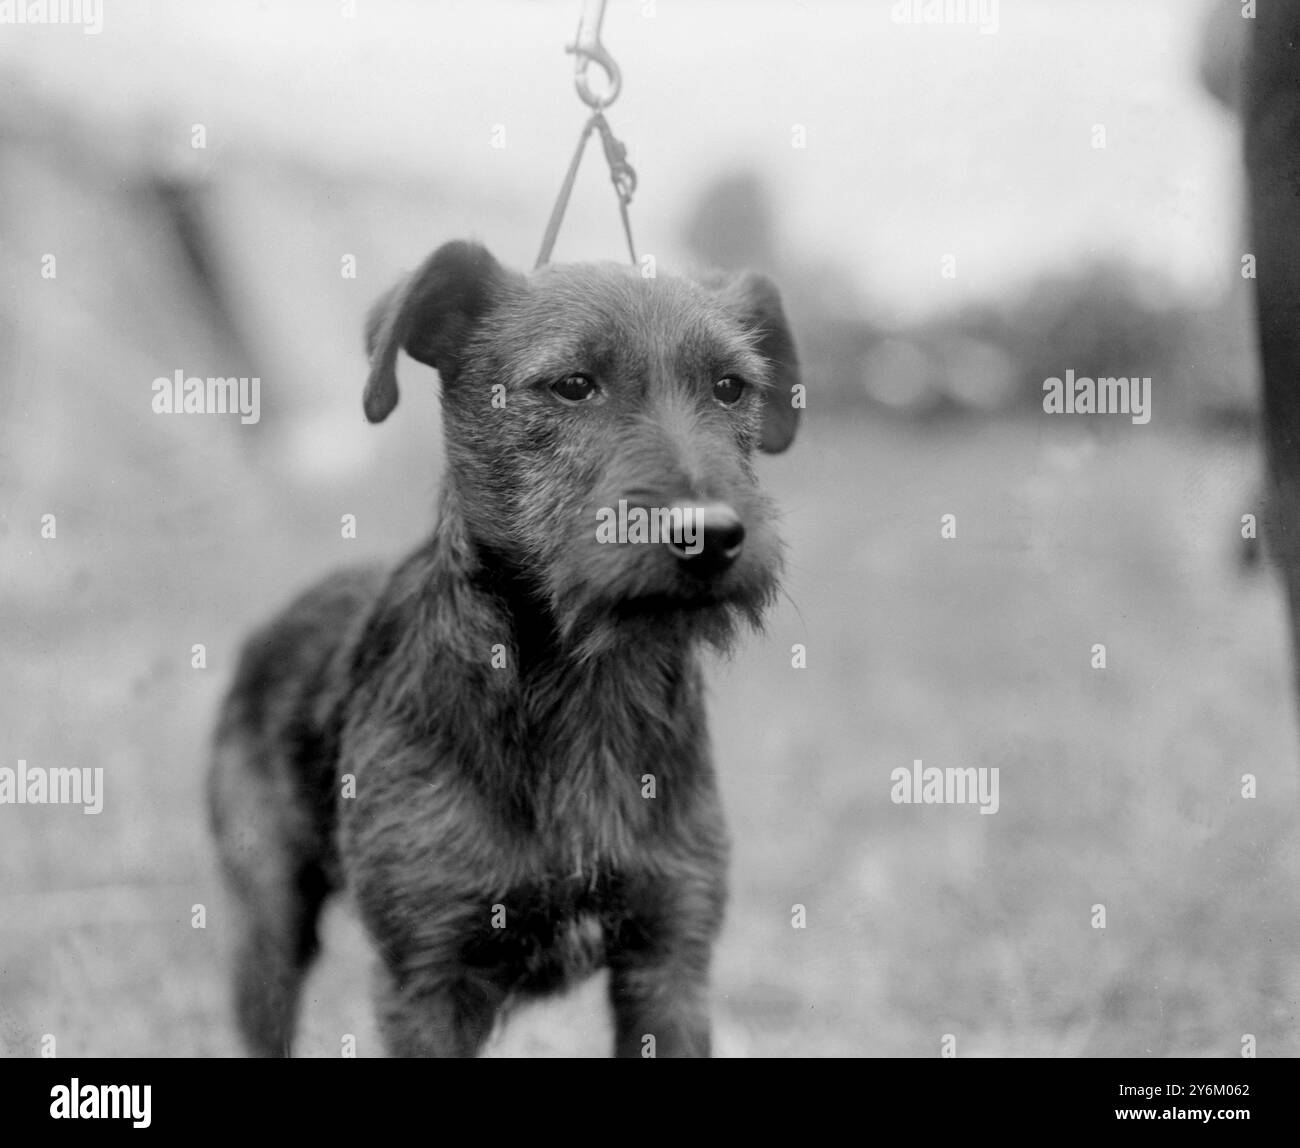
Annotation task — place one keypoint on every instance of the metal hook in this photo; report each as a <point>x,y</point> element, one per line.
<point>588,49</point>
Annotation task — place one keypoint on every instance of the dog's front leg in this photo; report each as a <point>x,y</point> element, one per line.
<point>660,1000</point>
<point>423,1017</point>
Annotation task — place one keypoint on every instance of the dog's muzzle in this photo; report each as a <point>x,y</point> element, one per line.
<point>718,538</point>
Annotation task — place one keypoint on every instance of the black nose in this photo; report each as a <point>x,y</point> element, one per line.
<point>711,539</point>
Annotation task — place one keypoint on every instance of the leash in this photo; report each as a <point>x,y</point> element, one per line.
<point>588,49</point>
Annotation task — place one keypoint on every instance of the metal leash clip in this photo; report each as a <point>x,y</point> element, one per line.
<point>588,49</point>
<point>620,171</point>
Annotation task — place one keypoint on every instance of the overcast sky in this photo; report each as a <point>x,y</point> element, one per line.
<point>921,140</point>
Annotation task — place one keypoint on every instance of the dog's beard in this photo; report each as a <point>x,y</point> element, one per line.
<point>624,597</point>
<point>591,624</point>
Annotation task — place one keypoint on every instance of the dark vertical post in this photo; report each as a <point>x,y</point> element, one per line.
<point>1272,140</point>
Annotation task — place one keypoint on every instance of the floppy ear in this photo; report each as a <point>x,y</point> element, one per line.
<point>754,299</point>
<point>429,315</point>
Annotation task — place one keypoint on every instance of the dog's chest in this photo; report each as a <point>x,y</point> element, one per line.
<point>590,831</point>
<point>592,803</point>
<point>544,936</point>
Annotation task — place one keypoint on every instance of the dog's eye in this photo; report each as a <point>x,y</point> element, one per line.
<point>728,391</point>
<point>575,388</point>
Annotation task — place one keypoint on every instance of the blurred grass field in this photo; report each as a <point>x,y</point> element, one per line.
<point>1119,787</point>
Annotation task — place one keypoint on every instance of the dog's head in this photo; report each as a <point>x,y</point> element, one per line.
<point>601,427</point>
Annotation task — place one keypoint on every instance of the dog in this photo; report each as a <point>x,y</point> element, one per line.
<point>499,748</point>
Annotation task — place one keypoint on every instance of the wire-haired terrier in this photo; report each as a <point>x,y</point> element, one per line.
<point>500,746</point>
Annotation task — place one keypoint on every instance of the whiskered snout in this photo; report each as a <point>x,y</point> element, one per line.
<point>711,537</point>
